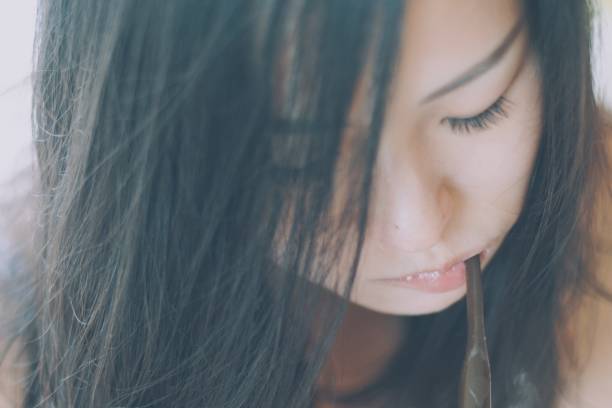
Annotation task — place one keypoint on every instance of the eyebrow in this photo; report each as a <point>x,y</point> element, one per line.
<point>480,68</point>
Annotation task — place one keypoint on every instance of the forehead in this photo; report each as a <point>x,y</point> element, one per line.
<point>443,38</point>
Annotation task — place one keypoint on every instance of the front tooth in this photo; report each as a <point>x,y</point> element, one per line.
<point>429,275</point>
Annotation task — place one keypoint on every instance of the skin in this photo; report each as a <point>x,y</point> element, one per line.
<point>588,382</point>
<point>586,366</point>
<point>437,193</point>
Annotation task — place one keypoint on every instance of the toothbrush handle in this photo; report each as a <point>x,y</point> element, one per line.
<point>476,375</point>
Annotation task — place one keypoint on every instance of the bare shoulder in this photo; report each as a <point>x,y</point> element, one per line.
<point>603,201</point>
<point>14,228</point>
<point>588,383</point>
<point>589,386</point>
<point>12,367</point>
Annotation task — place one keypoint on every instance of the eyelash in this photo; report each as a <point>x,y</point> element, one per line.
<point>288,175</point>
<point>481,121</point>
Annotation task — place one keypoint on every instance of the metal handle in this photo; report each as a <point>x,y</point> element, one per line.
<point>476,375</point>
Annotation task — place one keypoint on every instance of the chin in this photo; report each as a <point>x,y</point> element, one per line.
<point>405,302</point>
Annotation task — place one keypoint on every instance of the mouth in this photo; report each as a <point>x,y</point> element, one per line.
<point>449,276</point>
<point>438,281</point>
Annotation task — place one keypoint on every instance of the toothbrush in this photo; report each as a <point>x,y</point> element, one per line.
<point>475,391</point>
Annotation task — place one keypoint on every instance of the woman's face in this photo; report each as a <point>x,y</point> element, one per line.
<point>446,188</point>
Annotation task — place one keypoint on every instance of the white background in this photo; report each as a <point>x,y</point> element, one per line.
<point>16,43</point>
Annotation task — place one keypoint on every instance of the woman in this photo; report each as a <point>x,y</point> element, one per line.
<point>224,189</point>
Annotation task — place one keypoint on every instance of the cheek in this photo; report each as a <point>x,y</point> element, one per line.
<point>519,142</point>
<point>509,170</point>
<point>499,163</point>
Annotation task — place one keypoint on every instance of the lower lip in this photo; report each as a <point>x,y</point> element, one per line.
<point>433,282</point>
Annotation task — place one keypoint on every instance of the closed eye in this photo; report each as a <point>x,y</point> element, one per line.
<point>481,121</point>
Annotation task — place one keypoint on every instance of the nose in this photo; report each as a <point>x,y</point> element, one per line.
<point>412,205</point>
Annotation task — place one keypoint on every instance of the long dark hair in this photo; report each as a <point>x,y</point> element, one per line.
<point>160,130</point>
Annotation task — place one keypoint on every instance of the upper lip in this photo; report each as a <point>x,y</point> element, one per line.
<point>441,267</point>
